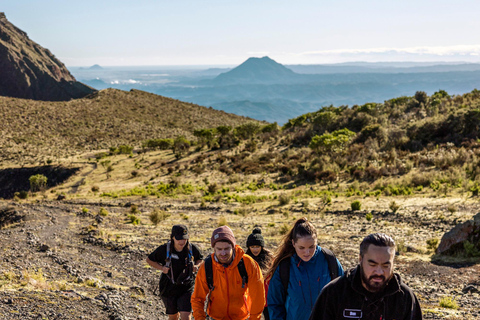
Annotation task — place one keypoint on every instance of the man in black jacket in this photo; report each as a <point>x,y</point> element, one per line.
<point>371,290</point>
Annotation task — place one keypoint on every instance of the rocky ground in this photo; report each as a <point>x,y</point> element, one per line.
<point>59,261</point>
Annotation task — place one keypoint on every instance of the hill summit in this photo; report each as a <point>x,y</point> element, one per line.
<point>32,72</point>
<point>256,70</point>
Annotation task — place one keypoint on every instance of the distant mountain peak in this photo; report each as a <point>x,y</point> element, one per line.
<point>254,69</point>
<point>30,71</point>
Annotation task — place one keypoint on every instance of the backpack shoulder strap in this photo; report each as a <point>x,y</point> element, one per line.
<point>209,271</point>
<point>284,269</point>
<point>243,272</point>
<point>169,252</point>
<point>190,251</point>
<point>332,263</point>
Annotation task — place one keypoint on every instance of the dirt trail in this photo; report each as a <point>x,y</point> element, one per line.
<point>93,267</point>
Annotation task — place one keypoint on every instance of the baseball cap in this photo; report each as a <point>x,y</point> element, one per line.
<point>180,232</point>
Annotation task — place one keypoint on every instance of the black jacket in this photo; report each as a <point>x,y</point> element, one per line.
<point>346,298</point>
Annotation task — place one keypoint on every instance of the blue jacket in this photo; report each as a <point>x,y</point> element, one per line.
<point>306,281</point>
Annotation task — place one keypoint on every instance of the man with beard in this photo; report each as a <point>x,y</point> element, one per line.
<point>230,281</point>
<point>371,290</point>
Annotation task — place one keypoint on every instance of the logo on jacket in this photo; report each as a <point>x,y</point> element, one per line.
<point>352,314</point>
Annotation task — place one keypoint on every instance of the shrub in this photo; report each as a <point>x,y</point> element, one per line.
<point>157,215</point>
<point>103,212</point>
<point>334,141</point>
<point>284,229</point>
<point>448,302</point>
<point>432,244</point>
<point>22,194</point>
<point>85,210</point>
<point>284,199</point>
<point>401,247</point>
<point>452,208</point>
<point>470,249</point>
<point>369,216</point>
<point>212,188</point>
<point>222,221</point>
<point>38,182</point>
<point>394,206</point>
<point>356,205</point>
<point>134,219</point>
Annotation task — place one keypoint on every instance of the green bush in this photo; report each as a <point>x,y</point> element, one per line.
<point>103,212</point>
<point>334,141</point>
<point>134,219</point>
<point>369,216</point>
<point>356,205</point>
<point>448,302</point>
<point>432,244</point>
<point>38,182</point>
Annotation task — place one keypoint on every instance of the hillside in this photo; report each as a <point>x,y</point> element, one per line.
<point>30,71</point>
<point>76,246</point>
<point>37,131</point>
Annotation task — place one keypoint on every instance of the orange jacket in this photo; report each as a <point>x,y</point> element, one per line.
<point>228,300</point>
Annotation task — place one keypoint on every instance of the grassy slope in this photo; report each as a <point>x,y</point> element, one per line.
<point>33,131</point>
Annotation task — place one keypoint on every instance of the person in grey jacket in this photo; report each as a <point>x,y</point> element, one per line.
<point>371,290</point>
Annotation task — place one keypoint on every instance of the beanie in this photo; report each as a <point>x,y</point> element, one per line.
<point>256,238</point>
<point>223,233</point>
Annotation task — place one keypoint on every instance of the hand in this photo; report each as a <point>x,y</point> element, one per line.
<point>165,269</point>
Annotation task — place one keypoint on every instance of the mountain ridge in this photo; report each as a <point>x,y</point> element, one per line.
<point>30,71</point>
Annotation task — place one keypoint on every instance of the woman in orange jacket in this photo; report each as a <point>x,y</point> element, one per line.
<point>232,294</point>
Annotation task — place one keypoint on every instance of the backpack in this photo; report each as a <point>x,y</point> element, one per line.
<point>209,272</point>
<point>285,268</point>
<point>185,276</point>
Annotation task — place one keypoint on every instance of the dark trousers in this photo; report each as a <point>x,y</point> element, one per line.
<point>265,313</point>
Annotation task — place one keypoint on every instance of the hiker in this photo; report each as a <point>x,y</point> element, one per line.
<point>301,268</point>
<point>371,290</point>
<point>178,259</point>
<point>256,249</point>
<point>231,280</point>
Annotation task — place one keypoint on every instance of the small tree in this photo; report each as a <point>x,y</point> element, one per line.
<point>38,182</point>
<point>334,141</point>
<point>247,130</point>
<point>180,146</point>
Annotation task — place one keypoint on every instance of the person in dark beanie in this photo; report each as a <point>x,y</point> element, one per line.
<point>371,290</point>
<point>231,280</point>
<point>256,249</point>
<point>178,259</point>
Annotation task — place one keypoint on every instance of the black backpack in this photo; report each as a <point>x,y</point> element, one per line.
<point>285,268</point>
<point>209,272</point>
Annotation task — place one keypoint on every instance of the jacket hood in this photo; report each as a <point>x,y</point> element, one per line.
<point>353,276</point>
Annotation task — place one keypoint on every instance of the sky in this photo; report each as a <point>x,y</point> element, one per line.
<point>227,32</point>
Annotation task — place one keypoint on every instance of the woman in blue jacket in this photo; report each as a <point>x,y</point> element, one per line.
<point>292,293</point>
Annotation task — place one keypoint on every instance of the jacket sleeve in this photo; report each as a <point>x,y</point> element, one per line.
<point>199,295</point>
<point>256,290</point>
<point>415,310</point>
<point>276,298</point>
<point>340,269</point>
<point>324,308</point>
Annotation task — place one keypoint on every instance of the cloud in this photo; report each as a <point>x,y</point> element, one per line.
<point>440,51</point>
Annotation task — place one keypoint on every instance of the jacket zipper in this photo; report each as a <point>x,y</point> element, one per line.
<point>228,293</point>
